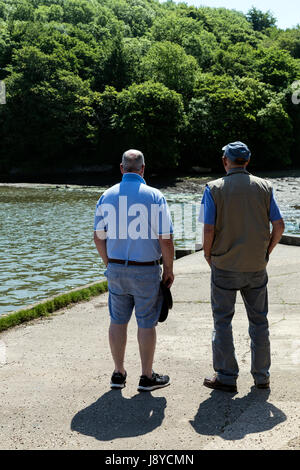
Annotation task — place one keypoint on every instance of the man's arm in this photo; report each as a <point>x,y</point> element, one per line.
<point>207,217</point>
<point>278,229</point>
<point>277,222</point>
<point>167,249</point>
<point>100,242</point>
<point>208,239</point>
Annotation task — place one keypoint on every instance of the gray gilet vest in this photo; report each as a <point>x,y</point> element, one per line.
<point>242,229</point>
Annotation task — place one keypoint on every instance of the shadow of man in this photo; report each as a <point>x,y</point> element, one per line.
<point>216,415</point>
<point>112,416</point>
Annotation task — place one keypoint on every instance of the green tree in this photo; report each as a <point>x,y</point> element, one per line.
<point>150,117</point>
<point>115,65</point>
<point>5,49</point>
<point>277,67</point>
<point>274,134</point>
<point>78,11</point>
<point>289,40</point>
<point>107,136</point>
<point>259,20</point>
<point>203,47</point>
<point>137,15</point>
<point>240,109</point>
<point>175,28</point>
<point>134,49</point>
<point>22,10</point>
<point>48,113</point>
<point>228,26</point>
<point>89,77</point>
<point>237,59</point>
<point>2,10</point>
<point>169,64</point>
<point>46,13</point>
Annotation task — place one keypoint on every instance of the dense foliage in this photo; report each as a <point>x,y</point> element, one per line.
<point>86,79</point>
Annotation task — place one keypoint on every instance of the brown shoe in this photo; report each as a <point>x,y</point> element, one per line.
<point>217,385</point>
<point>263,386</point>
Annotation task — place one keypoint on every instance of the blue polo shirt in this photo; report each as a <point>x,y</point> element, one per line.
<point>133,215</point>
<point>208,209</point>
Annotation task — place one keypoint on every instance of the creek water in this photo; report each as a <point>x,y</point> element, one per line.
<point>46,234</point>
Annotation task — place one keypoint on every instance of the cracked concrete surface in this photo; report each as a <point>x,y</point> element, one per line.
<point>54,382</point>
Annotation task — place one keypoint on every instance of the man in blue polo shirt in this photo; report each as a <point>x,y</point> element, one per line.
<point>236,211</point>
<point>132,230</point>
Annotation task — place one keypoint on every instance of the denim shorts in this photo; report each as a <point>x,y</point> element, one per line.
<point>134,287</point>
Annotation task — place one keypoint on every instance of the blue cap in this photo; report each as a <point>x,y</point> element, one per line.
<point>237,150</point>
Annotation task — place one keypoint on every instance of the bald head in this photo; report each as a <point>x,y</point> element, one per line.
<point>133,161</point>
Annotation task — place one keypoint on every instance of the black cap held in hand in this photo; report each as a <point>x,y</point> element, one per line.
<point>167,302</point>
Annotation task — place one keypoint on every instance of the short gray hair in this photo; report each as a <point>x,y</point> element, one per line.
<point>132,160</point>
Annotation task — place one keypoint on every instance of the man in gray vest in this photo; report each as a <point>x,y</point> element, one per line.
<point>237,210</point>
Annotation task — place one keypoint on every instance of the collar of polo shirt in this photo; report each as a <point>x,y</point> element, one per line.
<point>133,177</point>
<point>239,169</point>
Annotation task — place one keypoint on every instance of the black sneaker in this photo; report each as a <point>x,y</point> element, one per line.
<point>118,380</point>
<point>156,381</point>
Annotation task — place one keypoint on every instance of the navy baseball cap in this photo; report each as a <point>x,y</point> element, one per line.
<point>237,150</point>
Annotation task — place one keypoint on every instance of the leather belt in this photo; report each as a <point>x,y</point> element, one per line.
<point>134,263</point>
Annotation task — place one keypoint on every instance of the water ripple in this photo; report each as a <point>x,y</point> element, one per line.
<point>47,237</point>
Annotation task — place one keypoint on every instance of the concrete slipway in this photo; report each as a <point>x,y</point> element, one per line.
<point>55,373</point>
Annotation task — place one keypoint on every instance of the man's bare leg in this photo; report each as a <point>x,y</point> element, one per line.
<point>117,341</point>
<point>147,343</point>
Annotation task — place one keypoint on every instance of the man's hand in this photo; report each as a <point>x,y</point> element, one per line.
<point>208,259</point>
<point>167,249</point>
<point>168,278</point>
<point>100,242</point>
<point>208,239</point>
<point>278,229</point>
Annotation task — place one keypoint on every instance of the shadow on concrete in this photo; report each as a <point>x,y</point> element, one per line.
<point>112,416</point>
<point>219,415</point>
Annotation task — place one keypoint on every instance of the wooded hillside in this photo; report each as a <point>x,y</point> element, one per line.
<point>87,79</point>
